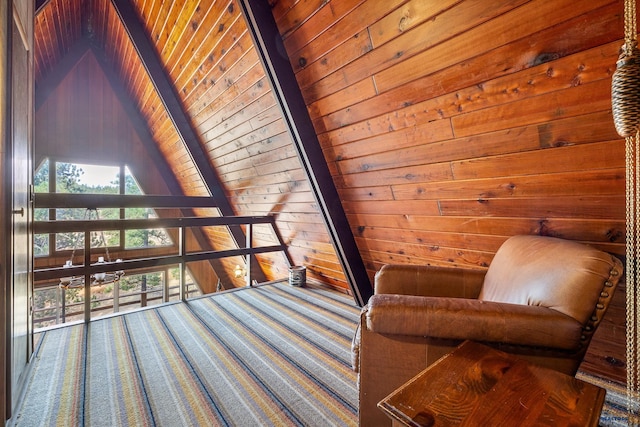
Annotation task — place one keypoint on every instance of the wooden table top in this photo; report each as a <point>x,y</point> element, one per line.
<point>480,386</point>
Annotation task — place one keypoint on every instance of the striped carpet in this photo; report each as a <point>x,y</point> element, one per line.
<point>270,355</point>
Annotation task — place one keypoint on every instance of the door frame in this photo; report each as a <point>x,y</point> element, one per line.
<point>16,20</point>
<point>5,40</point>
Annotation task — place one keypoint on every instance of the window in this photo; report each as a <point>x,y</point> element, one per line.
<point>75,178</point>
<point>53,305</point>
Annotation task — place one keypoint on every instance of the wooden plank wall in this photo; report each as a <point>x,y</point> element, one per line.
<point>108,33</point>
<point>451,125</point>
<point>83,121</point>
<point>56,29</point>
<point>209,55</point>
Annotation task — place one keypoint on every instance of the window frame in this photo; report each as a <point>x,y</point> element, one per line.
<point>53,250</point>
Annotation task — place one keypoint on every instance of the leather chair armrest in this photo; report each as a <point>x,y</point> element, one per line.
<point>426,280</point>
<point>485,321</point>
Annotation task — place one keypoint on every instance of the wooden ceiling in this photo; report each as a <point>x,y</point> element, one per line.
<point>236,142</point>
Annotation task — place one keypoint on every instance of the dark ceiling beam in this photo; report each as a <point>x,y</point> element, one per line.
<point>170,179</point>
<point>270,48</point>
<point>171,101</point>
<point>40,4</point>
<point>53,78</point>
<point>139,123</point>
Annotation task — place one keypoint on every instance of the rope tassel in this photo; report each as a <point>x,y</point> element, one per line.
<point>625,90</point>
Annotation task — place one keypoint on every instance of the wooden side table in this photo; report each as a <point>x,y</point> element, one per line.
<point>480,386</point>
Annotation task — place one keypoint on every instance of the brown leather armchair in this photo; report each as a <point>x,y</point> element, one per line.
<point>541,298</point>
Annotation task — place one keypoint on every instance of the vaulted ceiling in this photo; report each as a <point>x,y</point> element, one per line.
<point>193,75</point>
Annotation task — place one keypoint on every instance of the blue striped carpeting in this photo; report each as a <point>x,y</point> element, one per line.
<point>270,355</point>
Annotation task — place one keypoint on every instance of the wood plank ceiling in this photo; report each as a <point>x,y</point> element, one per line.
<point>447,126</point>
<point>208,55</point>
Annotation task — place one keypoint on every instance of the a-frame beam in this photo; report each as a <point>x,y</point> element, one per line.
<point>269,46</point>
<point>171,101</point>
<point>40,4</point>
<point>140,125</point>
<point>60,71</point>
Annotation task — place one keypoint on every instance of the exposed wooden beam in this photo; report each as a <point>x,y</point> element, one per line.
<point>142,129</point>
<point>60,71</point>
<point>171,101</point>
<point>40,4</point>
<point>173,106</point>
<point>269,46</point>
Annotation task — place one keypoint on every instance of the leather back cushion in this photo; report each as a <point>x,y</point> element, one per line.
<point>559,274</point>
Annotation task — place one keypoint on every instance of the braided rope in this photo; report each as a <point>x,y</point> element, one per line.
<point>630,27</point>
<point>625,84</point>
<point>625,87</point>
<point>632,159</point>
<point>625,102</point>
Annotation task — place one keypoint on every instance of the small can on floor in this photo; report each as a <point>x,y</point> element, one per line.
<point>297,275</point>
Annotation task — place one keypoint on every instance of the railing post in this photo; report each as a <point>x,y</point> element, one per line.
<point>248,256</point>
<point>63,304</point>
<point>87,277</point>
<point>165,285</point>
<point>116,296</point>
<point>181,250</point>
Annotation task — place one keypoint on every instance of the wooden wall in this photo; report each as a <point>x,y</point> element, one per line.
<point>206,50</point>
<point>83,121</point>
<point>209,55</point>
<point>452,125</point>
<point>448,126</point>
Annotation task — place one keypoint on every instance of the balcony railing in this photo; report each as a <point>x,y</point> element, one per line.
<point>181,257</point>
